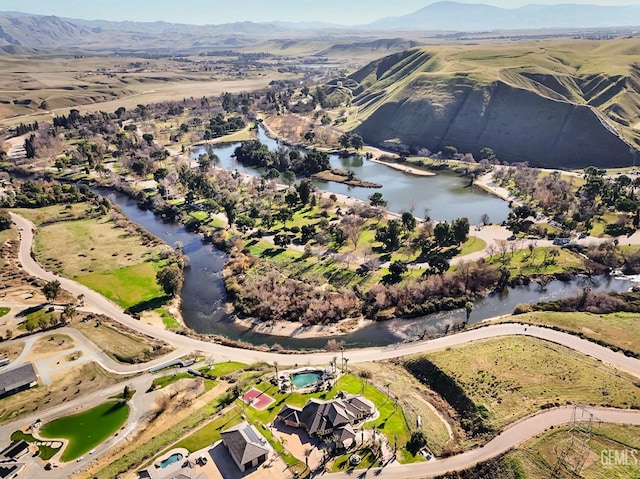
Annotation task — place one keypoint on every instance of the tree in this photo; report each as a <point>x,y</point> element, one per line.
<point>204,162</point>
<point>396,270</point>
<point>51,290</point>
<point>5,220</point>
<point>148,137</point>
<point>449,151</point>
<point>357,142</point>
<point>377,200</point>
<point>468,306</point>
<point>170,278</point>
<point>417,441</point>
<point>69,311</point>
<point>484,219</point>
<point>288,177</point>
<point>460,230</point>
<point>304,191</point>
<point>408,221</point>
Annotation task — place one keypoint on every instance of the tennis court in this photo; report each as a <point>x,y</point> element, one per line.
<point>257,399</point>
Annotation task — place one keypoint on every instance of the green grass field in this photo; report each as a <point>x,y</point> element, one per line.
<point>88,429</point>
<point>618,329</point>
<point>210,433</point>
<point>515,376</point>
<point>4,310</point>
<point>126,286</point>
<point>222,369</point>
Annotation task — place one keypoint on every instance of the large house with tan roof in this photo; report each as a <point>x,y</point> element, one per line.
<point>334,417</point>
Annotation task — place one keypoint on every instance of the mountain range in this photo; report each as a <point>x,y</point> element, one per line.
<point>38,31</point>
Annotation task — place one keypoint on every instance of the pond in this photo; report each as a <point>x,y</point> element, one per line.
<point>446,196</point>
<point>203,294</point>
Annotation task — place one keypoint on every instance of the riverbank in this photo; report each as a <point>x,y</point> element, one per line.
<point>412,170</point>
<point>296,330</point>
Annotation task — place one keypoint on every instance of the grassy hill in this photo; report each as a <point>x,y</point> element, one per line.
<point>553,103</point>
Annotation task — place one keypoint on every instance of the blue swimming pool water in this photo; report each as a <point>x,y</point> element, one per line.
<point>171,459</point>
<point>302,380</point>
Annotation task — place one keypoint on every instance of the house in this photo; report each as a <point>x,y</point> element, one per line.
<point>334,417</point>
<point>247,446</point>
<point>17,379</point>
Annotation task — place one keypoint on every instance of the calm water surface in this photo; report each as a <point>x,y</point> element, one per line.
<point>203,294</point>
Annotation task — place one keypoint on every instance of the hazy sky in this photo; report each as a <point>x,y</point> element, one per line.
<point>226,11</point>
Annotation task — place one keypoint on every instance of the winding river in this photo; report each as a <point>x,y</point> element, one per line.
<point>446,197</point>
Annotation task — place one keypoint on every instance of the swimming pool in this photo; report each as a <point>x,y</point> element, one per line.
<point>306,378</point>
<point>171,459</point>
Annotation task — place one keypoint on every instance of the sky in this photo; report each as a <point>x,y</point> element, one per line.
<point>199,12</point>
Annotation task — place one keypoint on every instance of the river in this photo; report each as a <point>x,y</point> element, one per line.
<point>203,294</point>
<point>446,195</point>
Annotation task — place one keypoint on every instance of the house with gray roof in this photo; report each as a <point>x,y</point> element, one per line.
<point>334,417</point>
<point>17,379</point>
<point>247,446</point>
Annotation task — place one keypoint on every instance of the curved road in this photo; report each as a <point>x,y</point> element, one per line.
<point>183,344</point>
<point>513,435</point>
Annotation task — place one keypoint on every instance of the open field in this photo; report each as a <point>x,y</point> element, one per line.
<point>36,88</point>
<point>11,351</point>
<point>513,377</point>
<point>127,286</point>
<point>617,329</point>
<point>103,256</point>
<point>126,347</point>
<point>72,383</point>
<point>86,430</point>
<point>608,454</point>
<point>81,247</point>
<point>52,343</point>
<point>49,214</point>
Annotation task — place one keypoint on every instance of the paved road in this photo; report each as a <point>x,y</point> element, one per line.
<point>98,303</point>
<point>512,436</point>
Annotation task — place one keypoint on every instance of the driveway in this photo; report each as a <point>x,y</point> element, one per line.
<point>297,441</point>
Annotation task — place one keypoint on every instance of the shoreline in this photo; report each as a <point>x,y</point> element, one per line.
<point>296,330</point>
<point>412,170</point>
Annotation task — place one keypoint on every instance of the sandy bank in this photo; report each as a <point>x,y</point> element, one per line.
<point>403,167</point>
<point>296,330</point>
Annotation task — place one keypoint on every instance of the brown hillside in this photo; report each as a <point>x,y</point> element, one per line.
<point>571,105</point>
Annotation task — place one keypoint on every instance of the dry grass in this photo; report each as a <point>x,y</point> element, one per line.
<point>537,457</point>
<point>515,376</point>
<point>48,214</point>
<point>55,85</point>
<point>70,384</point>
<point>618,329</point>
<point>11,351</point>
<point>120,345</point>
<point>52,343</point>
<point>81,247</point>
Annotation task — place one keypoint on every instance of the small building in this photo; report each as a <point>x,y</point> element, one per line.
<point>247,446</point>
<point>17,379</point>
<point>14,451</point>
<point>11,470</point>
